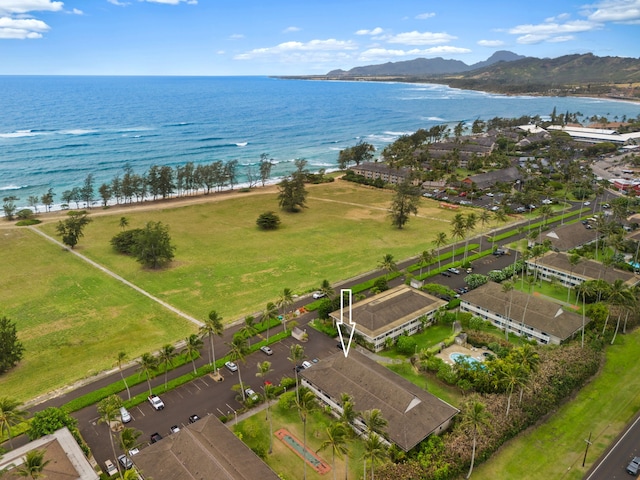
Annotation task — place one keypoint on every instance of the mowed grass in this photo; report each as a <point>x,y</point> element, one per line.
<point>556,448</point>
<point>74,319</point>
<point>223,262</point>
<point>71,318</point>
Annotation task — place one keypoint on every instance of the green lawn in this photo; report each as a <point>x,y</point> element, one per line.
<point>556,448</point>
<point>254,431</point>
<point>74,319</point>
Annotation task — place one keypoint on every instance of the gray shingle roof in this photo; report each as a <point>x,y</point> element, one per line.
<point>569,236</point>
<point>543,315</point>
<point>412,413</point>
<point>204,450</point>
<point>393,307</point>
<point>589,269</point>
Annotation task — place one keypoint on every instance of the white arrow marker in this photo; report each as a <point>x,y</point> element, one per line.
<point>351,323</point>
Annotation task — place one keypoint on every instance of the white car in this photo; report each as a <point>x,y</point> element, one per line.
<point>251,394</point>
<point>547,201</point>
<point>317,295</point>
<point>266,350</point>
<point>232,367</point>
<point>586,204</point>
<point>306,364</point>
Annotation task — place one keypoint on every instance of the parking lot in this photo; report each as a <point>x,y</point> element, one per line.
<point>203,396</point>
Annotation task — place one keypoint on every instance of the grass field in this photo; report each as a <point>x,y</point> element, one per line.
<point>73,319</point>
<point>556,448</point>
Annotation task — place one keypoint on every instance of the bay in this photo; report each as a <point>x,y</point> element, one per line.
<point>55,130</point>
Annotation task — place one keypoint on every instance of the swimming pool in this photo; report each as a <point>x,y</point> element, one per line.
<point>461,357</point>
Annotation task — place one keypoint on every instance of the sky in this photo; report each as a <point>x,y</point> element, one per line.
<point>301,37</point>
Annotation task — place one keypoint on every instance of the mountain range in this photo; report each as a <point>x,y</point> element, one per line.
<point>424,66</point>
<point>507,72</point>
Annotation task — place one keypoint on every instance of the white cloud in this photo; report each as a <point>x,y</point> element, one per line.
<point>552,31</point>
<point>291,29</point>
<point>236,36</point>
<point>490,43</point>
<point>119,4</point>
<point>76,11</point>
<point>24,6</point>
<point>561,38</point>
<point>558,18</point>
<point>424,16</point>
<point>375,31</point>
<point>312,51</point>
<point>385,54</point>
<point>618,11</point>
<point>20,29</point>
<point>420,38</point>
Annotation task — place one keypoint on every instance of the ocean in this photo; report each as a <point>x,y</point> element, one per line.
<point>55,130</point>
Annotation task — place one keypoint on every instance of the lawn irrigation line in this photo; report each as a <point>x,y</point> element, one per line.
<point>121,279</point>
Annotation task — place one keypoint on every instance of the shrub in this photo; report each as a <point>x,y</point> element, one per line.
<point>24,214</point>
<point>124,242</point>
<point>406,345</point>
<point>380,284</point>
<point>268,221</point>
<point>26,223</point>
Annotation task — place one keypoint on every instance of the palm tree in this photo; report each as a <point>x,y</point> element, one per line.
<point>620,298</point>
<point>457,231</point>
<point>10,415</point>
<point>511,375</point>
<point>374,421</point>
<point>212,326</point>
<point>192,345</point>
<point>122,357</point>
<point>526,356</point>
<point>270,312</point>
<point>129,439</point>
<point>326,289</point>
<point>248,329</point>
<point>375,451</point>
<point>469,226</point>
<point>167,354</point>
<point>500,216</point>
<point>426,258</point>
<point>285,300</point>
<point>296,354</point>
<point>337,442</point>
<point>484,219</point>
<point>574,259</point>
<point>306,403</point>
<point>34,464</point>
<point>147,364</point>
<point>388,263</point>
<point>124,222</point>
<point>237,352</point>
<point>347,417</point>
<point>263,369</point>
<point>269,395</point>
<point>474,418</point>
<point>545,211</point>
<point>507,287</point>
<point>108,409</point>
<point>440,240</point>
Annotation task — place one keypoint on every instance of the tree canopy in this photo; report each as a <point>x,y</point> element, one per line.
<point>404,203</point>
<point>72,229</point>
<point>153,247</point>
<point>11,348</point>
<point>292,194</point>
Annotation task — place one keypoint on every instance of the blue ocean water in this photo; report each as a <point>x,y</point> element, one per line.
<point>56,130</point>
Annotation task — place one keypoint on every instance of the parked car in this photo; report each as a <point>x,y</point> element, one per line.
<point>445,274</point>
<point>489,194</point>
<point>232,367</point>
<point>306,364</point>
<point>156,402</point>
<point>174,429</point>
<point>266,350</point>
<point>193,418</point>
<point>110,468</point>
<point>134,451</point>
<point>155,437</point>
<point>125,462</point>
<point>453,270</point>
<point>317,295</point>
<point>586,204</point>
<point>634,466</point>
<point>250,393</point>
<point>125,416</point>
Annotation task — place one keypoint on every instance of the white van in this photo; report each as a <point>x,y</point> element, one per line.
<point>110,467</point>
<point>125,416</point>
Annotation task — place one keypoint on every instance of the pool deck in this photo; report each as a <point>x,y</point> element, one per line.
<point>472,352</point>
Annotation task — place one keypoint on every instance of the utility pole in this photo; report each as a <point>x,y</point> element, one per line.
<point>588,442</point>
